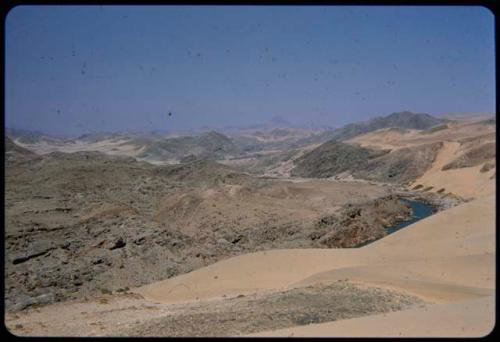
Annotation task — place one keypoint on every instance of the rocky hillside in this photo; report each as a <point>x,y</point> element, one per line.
<point>333,158</point>
<point>404,119</point>
<point>402,165</point>
<point>277,139</point>
<point>210,145</point>
<point>13,148</point>
<point>80,224</point>
<point>16,153</point>
<point>149,146</point>
<point>360,223</point>
<point>85,223</point>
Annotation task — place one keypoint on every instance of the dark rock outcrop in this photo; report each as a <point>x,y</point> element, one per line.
<point>333,158</point>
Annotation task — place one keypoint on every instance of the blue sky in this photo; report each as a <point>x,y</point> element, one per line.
<point>77,69</point>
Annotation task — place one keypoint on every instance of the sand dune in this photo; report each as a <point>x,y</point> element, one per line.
<point>248,273</point>
<point>395,139</point>
<point>468,182</point>
<point>444,258</point>
<point>464,230</point>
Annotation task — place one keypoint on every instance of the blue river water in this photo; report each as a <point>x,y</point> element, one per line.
<point>419,210</point>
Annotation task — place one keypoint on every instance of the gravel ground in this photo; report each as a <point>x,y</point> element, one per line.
<point>301,306</point>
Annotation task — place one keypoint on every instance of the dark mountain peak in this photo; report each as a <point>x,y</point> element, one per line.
<point>409,115</point>
<point>279,121</point>
<point>404,119</point>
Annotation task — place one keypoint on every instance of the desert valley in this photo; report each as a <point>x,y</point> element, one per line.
<point>249,171</point>
<point>384,227</point>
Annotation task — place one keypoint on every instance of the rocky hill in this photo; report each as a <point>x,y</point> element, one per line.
<point>78,224</point>
<point>397,121</point>
<point>84,224</point>
<point>144,146</point>
<point>402,165</point>
<point>404,119</point>
<point>210,145</point>
<point>12,148</point>
<point>15,153</point>
<point>333,158</point>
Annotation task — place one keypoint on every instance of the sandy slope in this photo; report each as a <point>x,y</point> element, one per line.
<point>385,138</point>
<point>466,182</point>
<point>395,139</point>
<point>461,319</point>
<point>446,258</point>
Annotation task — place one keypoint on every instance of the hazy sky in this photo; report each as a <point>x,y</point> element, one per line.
<point>76,69</point>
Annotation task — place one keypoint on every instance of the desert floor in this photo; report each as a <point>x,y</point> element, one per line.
<point>433,278</point>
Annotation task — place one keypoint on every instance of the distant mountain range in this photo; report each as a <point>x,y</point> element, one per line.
<point>276,134</point>
<point>335,156</point>
<point>24,135</point>
<point>277,122</point>
<point>395,120</point>
<point>208,145</point>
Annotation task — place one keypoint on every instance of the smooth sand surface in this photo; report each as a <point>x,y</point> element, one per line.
<point>468,182</point>
<point>445,259</point>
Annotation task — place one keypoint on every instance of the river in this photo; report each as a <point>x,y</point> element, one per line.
<point>419,210</point>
